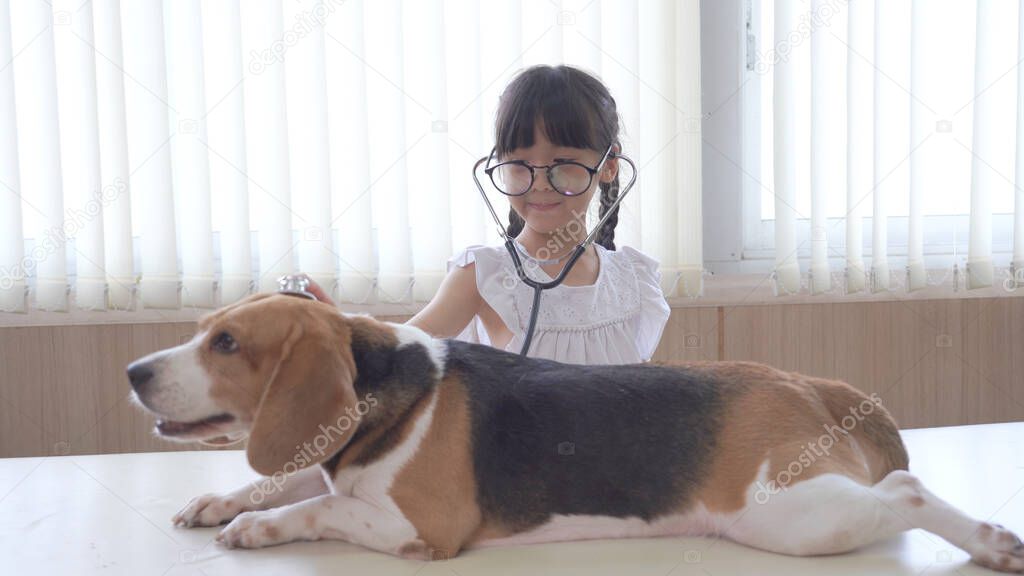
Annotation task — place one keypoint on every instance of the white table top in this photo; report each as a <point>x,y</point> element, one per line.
<point>111,514</point>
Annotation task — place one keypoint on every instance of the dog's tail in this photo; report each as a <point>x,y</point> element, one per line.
<point>868,421</point>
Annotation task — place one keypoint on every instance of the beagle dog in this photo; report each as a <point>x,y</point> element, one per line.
<point>378,434</point>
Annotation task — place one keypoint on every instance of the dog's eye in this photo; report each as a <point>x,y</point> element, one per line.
<point>224,343</point>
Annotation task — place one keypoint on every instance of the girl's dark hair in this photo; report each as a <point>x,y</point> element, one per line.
<point>575,110</point>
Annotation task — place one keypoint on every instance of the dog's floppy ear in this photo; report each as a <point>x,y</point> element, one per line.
<point>301,417</point>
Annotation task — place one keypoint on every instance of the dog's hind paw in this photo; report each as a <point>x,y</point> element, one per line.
<point>998,549</point>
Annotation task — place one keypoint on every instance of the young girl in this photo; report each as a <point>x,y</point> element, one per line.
<point>609,309</point>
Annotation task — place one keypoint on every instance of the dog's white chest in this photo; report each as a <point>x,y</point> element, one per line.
<point>372,483</point>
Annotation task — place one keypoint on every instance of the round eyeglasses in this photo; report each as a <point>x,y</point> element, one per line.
<point>569,178</point>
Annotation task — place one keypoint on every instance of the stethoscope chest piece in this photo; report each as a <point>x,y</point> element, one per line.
<point>295,285</point>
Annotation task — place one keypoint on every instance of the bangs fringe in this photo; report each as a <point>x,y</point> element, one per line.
<point>560,101</point>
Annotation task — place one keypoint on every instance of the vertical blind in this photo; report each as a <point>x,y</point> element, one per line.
<point>188,152</point>
<point>876,105</point>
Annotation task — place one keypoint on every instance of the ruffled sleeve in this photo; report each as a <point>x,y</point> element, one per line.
<point>463,258</point>
<point>493,283</point>
<point>654,309</point>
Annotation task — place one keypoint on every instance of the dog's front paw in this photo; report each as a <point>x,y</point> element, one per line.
<point>255,530</point>
<point>207,510</point>
<point>999,549</point>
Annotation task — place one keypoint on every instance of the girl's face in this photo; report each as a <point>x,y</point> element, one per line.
<point>542,208</point>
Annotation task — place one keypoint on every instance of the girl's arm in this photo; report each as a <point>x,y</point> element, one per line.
<point>454,305</point>
<point>316,290</point>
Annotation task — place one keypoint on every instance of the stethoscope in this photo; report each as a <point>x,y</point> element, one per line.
<point>513,249</point>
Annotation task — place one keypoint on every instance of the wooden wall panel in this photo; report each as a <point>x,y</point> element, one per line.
<point>690,334</point>
<point>798,337</point>
<point>22,370</point>
<point>990,363</point>
<point>63,389</point>
<point>933,362</point>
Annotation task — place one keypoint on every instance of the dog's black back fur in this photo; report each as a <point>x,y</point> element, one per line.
<point>553,438</point>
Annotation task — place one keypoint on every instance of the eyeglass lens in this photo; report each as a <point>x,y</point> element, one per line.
<point>569,179</point>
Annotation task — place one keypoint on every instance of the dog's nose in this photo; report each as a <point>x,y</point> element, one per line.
<point>138,374</point>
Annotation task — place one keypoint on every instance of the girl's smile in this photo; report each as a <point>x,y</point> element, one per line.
<point>543,206</point>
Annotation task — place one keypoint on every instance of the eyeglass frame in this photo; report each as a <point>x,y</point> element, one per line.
<point>489,170</point>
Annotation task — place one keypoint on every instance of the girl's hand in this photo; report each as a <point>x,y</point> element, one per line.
<point>318,291</point>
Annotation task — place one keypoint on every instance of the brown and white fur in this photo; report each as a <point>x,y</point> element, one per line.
<point>377,434</point>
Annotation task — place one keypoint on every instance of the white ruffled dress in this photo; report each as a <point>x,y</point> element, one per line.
<point>616,320</point>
